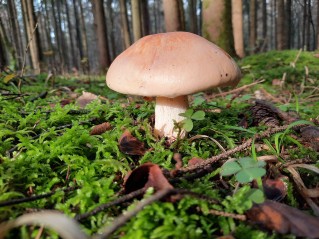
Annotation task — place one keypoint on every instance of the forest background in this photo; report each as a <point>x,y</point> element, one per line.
<point>73,36</point>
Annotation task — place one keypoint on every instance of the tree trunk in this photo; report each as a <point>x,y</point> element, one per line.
<point>317,24</point>
<point>281,25</point>
<point>17,42</point>
<point>172,14</point>
<point>252,26</point>
<point>32,40</point>
<point>100,25</point>
<point>288,24</point>
<point>237,18</point>
<point>264,24</point>
<point>192,16</point>
<point>136,20</point>
<point>145,18</point>
<point>85,60</point>
<point>57,31</point>
<point>78,30</point>
<point>124,25</point>
<point>3,43</point>
<point>74,62</point>
<point>217,24</point>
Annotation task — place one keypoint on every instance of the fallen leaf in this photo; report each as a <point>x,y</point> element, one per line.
<point>194,161</point>
<point>86,98</point>
<point>100,128</point>
<point>130,145</point>
<point>178,159</point>
<point>310,136</point>
<point>275,189</point>
<point>145,176</point>
<point>284,219</point>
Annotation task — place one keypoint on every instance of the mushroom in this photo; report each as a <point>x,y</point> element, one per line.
<point>170,66</point>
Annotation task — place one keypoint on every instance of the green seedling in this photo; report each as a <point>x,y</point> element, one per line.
<point>245,169</point>
<point>190,115</point>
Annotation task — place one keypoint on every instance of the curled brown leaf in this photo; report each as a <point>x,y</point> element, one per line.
<point>128,144</point>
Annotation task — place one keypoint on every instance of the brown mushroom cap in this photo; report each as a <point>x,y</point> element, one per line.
<point>171,64</point>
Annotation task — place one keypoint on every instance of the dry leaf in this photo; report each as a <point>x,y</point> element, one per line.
<point>100,128</point>
<point>310,136</point>
<point>275,189</point>
<point>145,176</point>
<point>194,161</point>
<point>178,159</point>
<point>86,98</point>
<point>284,219</point>
<point>128,144</point>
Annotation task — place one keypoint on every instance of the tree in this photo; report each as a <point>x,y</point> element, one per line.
<point>252,26</point>
<point>3,55</point>
<point>237,18</point>
<point>32,34</point>
<point>136,20</point>
<point>124,25</point>
<point>217,24</point>
<point>173,15</point>
<point>16,39</point>
<point>100,26</point>
<point>192,9</point>
<point>317,24</point>
<point>281,41</point>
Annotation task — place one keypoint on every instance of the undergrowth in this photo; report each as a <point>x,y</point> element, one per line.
<point>46,145</point>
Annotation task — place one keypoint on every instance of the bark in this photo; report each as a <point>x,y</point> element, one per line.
<point>317,24</point>
<point>305,20</point>
<point>264,24</point>
<point>17,42</point>
<point>172,15</point>
<point>281,44</point>
<point>217,24</point>
<point>124,24</point>
<point>74,62</point>
<point>78,30</point>
<point>57,32</point>
<point>252,26</point>
<point>136,20</point>
<point>100,26</point>
<point>85,61</point>
<point>237,18</point>
<point>32,33</point>
<point>145,18</point>
<point>192,16</point>
<point>3,43</point>
<point>288,24</point>
<point>61,34</point>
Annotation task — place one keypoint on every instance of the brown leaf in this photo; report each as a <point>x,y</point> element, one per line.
<point>128,144</point>
<point>145,176</point>
<point>86,98</point>
<point>178,159</point>
<point>275,189</point>
<point>284,219</point>
<point>310,136</point>
<point>100,128</point>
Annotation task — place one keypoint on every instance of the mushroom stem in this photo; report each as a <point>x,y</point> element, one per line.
<point>166,111</point>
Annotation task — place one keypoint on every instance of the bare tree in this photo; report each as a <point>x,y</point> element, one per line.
<point>317,24</point>
<point>100,25</point>
<point>281,43</point>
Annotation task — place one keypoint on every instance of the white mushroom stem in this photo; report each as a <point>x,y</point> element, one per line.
<point>166,111</point>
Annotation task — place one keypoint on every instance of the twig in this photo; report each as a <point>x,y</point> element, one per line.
<point>228,214</point>
<point>236,90</point>
<point>293,64</point>
<point>121,220</point>
<point>102,207</point>
<point>34,198</point>
<point>208,162</point>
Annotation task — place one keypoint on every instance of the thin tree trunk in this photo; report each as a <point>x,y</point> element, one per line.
<point>100,25</point>
<point>317,24</point>
<point>172,14</point>
<point>237,18</point>
<point>192,16</point>
<point>74,62</point>
<point>145,18</point>
<point>252,26</point>
<point>280,25</point>
<point>264,24</point>
<point>61,34</point>
<point>78,30</point>
<point>85,60</point>
<point>124,23</point>
<point>17,42</point>
<point>32,39</point>
<point>60,60</point>
<point>3,46</point>
<point>136,20</point>
<point>288,24</point>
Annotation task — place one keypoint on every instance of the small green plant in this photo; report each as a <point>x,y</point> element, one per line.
<point>245,169</point>
<point>190,115</point>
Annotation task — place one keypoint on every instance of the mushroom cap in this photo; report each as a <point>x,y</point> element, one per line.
<point>171,64</point>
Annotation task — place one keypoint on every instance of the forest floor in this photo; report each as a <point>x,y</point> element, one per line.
<point>248,167</point>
